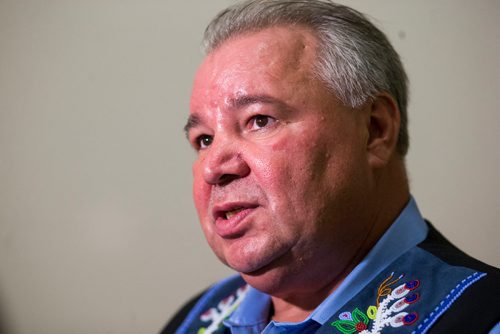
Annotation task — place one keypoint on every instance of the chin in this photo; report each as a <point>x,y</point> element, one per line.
<point>249,255</point>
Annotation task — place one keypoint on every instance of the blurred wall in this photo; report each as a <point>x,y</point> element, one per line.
<point>97,230</point>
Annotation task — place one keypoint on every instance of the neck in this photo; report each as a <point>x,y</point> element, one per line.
<point>389,198</point>
<point>298,307</point>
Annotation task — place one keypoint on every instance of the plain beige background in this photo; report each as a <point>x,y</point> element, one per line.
<point>97,230</point>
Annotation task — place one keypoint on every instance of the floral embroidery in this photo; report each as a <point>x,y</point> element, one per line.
<point>353,322</point>
<point>390,303</point>
<point>216,315</point>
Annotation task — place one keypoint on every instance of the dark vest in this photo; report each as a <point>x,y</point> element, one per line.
<point>432,288</point>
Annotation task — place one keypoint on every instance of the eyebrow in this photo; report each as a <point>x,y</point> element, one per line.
<point>237,103</point>
<point>245,100</point>
<point>192,121</point>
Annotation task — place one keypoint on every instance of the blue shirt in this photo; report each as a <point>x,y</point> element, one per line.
<point>408,230</point>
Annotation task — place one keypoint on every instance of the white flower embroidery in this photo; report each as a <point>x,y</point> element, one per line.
<point>216,315</point>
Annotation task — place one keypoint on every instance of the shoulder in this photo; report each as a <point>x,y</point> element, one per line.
<point>438,246</point>
<point>207,307</point>
<point>478,308</point>
<point>431,288</point>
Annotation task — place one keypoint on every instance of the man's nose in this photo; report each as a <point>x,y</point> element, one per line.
<point>224,162</point>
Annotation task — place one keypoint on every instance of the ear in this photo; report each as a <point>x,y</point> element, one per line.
<point>384,123</point>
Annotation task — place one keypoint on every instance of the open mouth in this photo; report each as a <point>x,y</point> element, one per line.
<point>229,212</point>
<point>230,219</point>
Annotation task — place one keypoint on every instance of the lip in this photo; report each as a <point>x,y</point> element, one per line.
<point>233,226</point>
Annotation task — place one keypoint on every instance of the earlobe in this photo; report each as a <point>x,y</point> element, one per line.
<point>383,128</point>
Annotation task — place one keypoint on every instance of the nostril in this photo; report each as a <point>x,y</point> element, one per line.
<point>226,179</point>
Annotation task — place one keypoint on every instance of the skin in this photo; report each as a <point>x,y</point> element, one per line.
<point>315,183</point>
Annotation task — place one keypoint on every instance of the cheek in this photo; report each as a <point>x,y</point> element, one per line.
<point>201,191</point>
<point>295,162</point>
<point>286,172</point>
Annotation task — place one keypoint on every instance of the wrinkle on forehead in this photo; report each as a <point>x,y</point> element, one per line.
<point>282,51</point>
<point>277,50</point>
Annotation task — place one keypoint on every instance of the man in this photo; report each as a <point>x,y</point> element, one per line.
<point>298,117</point>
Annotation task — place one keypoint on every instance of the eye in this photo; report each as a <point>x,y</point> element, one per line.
<point>204,141</point>
<point>260,121</point>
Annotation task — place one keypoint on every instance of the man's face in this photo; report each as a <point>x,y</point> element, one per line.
<point>281,171</point>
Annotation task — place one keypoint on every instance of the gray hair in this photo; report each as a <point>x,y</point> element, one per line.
<point>356,60</point>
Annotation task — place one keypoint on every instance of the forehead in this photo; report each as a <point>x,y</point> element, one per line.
<point>256,63</point>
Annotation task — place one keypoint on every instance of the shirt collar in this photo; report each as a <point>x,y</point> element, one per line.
<point>407,231</point>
